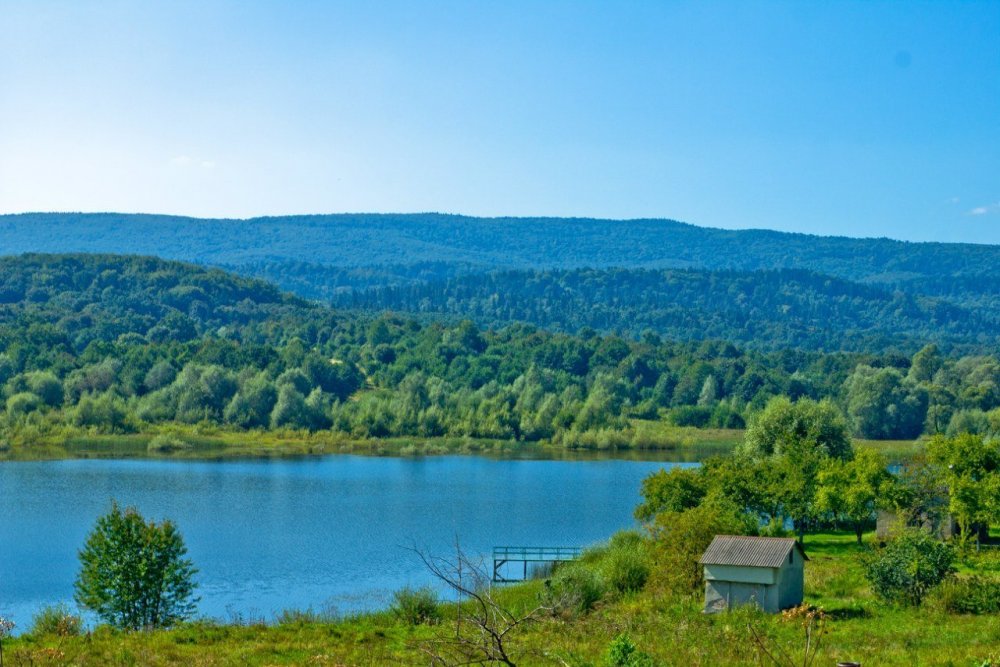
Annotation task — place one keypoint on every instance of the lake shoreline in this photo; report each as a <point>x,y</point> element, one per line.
<point>196,443</point>
<point>193,443</point>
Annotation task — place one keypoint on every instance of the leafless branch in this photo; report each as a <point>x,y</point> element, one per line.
<point>484,629</point>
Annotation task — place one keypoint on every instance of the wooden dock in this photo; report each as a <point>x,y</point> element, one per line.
<point>525,555</point>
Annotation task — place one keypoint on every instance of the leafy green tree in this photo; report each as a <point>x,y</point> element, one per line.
<point>22,403</point>
<point>968,421</point>
<point>884,404</point>
<point>160,375</point>
<point>252,405</point>
<point>783,426</point>
<point>157,406</point>
<point>106,412</point>
<point>795,440</point>
<point>941,404</point>
<point>290,409</point>
<point>46,386</point>
<point>379,333</point>
<point>853,489</point>
<point>793,483</point>
<point>709,392</point>
<point>602,406</point>
<point>135,575</point>
<point>911,565</point>
<point>926,363</point>
<point>317,408</point>
<point>296,379</point>
<point>978,382</point>
<point>93,379</point>
<point>673,490</point>
<point>746,483</point>
<point>970,468</point>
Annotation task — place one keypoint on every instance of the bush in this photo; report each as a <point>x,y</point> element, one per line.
<point>624,653</point>
<point>167,444</point>
<point>680,538</point>
<point>56,621</point>
<point>911,565</point>
<point>416,606</point>
<point>575,588</point>
<point>970,595</point>
<point>625,567</point>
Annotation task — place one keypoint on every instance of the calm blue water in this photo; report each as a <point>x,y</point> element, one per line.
<point>328,533</point>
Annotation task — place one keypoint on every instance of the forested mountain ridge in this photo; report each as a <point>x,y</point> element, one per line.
<point>100,297</point>
<point>762,309</point>
<point>352,240</point>
<point>123,344</point>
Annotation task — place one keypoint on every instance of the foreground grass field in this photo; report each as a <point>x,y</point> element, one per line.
<point>672,631</point>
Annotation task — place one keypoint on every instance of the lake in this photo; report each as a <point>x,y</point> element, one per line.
<point>332,533</point>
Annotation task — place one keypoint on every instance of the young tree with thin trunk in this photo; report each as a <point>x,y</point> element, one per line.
<point>134,574</point>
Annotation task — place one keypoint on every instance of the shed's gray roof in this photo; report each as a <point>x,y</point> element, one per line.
<point>748,551</point>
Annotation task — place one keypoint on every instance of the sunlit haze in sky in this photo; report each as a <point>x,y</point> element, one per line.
<point>864,119</point>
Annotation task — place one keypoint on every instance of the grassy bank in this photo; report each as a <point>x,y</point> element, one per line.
<point>656,441</point>
<point>642,440</point>
<point>672,630</point>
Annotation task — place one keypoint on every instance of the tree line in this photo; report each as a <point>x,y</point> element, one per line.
<point>797,466</point>
<point>114,344</point>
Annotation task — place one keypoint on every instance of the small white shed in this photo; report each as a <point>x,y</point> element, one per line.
<point>765,571</point>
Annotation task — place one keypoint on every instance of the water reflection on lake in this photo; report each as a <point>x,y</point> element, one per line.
<point>320,532</point>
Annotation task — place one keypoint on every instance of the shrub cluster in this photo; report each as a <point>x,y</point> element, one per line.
<point>57,621</point>
<point>909,567</point>
<point>416,606</point>
<point>620,568</point>
<point>970,595</point>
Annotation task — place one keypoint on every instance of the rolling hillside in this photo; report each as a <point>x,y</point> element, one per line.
<point>761,288</point>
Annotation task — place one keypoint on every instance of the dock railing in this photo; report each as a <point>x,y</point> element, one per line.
<point>525,555</point>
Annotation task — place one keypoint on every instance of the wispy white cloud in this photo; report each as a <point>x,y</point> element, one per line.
<point>985,210</point>
<point>186,161</point>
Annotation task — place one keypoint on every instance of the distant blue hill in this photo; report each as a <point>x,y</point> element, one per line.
<point>351,240</point>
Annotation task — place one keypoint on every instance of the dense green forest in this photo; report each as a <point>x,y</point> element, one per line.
<point>758,288</point>
<point>116,344</point>
<point>763,309</point>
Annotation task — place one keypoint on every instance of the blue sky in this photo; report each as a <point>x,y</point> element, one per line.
<point>864,119</point>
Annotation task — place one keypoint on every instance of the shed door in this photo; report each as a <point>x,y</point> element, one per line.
<point>717,595</point>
